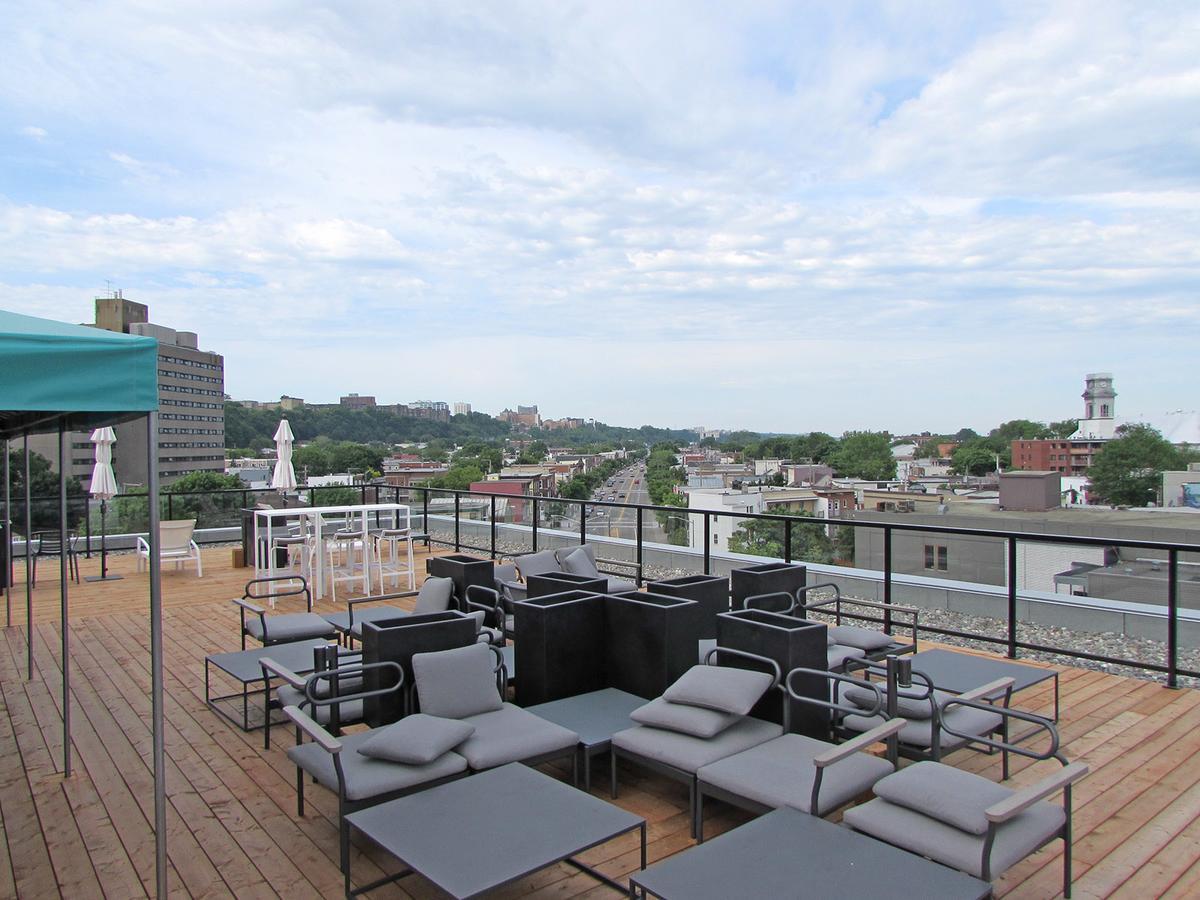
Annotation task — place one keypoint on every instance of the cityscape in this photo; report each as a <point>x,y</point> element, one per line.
<point>672,451</point>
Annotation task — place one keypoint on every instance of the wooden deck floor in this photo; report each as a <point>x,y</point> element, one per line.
<point>233,830</point>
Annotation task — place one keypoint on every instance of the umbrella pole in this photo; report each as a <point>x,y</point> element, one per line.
<point>64,559</point>
<point>28,562</point>
<point>156,673</point>
<point>103,542</point>
<point>8,525</point>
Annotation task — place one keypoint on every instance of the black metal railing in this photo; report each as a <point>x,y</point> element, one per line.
<point>222,509</point>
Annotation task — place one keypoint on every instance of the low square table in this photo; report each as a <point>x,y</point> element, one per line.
<point>462,836</point>
<point>787,853</point>
<point>595,717</point>
<point>962,672</point>
<point>243,666</point>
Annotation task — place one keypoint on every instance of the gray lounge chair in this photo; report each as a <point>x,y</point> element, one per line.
<point>323,684</point>
<point>965,821</point>
<point>811,775</point>
<point>467,684</point>
<point>279,629</point>
<point>581,560</point>
<point>359,780</point>
<point>875,642</point>
<point>681,755</point>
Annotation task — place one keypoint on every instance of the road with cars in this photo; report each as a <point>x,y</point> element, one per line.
<point>627,486</point>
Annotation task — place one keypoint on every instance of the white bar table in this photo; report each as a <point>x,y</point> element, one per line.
<point>265,523</point>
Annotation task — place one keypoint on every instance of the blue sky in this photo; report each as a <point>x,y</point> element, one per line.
<point>780,216</point>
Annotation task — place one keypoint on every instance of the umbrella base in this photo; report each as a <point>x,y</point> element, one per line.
<point>103,577</point>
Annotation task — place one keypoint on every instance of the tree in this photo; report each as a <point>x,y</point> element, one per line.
<point>965,434</point>
<point>1064,429</point>
<point>202,499</point>
<point>1128,470</point>
<point>43,488</point>
<point>973,459</point>
<point>459,477</point>
<point>1019,430</point>
<point>864,454</point>
<point>762,537</point>
<point>533,454</point>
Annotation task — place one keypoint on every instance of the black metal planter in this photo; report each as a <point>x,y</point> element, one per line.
<point>765,579</point>
<point>791,643</point>
<point>560,646</point>
<point>559,582</point>
<point>464,570</point>
<point>711,592</point>
<point>651,641</point>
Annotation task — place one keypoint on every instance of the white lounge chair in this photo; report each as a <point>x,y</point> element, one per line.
<point>175,544</point>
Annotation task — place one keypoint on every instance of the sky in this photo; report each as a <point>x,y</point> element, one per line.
<point>767,215</point>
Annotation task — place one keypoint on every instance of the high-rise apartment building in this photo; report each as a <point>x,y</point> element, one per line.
<point>462,409</point>
<point>191,404</point>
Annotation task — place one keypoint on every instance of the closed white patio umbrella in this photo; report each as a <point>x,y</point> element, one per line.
<point>104,488</point>
<point>284,476</point>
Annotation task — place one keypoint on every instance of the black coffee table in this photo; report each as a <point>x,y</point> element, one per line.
<point>787,853</point>
<point>595,717</point>
<point>481,832</point>
<point>243,666</point>
<point>961,672</point>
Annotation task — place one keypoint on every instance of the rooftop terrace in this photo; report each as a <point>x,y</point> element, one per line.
<point>233,829</point>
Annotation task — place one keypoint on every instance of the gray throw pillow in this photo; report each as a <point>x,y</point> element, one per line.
<point>693,720</point>
<point>944,793</point>
<point>722,688</point>
<point>579,563</point>
<point>416,740</point>
<point>456,683</point>
<point>909,704</point>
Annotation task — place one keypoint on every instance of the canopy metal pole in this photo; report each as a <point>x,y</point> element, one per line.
<point>28,563</point>
<point>156,677</point>
<point>8,527</point>
<point>64,569</point>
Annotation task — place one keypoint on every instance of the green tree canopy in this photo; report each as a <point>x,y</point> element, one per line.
<point>1128,470</point>
<point>973,459</point>
<point>864,454</point>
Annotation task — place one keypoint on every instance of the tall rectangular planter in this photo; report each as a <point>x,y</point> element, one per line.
<point>464,570</point>
<point>559,646</point>
<point>767,578</point>
<point>791,642</point>
<point>651,641</point>
<point>711,592</point>
<point>559,582</point>
<point>396,640</point>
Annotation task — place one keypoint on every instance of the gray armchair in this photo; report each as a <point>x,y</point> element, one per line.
<point>279,629</point>
<point>433,596</point>
<point>326,684</point>
<point>965,821</point>
<point>811,775</point>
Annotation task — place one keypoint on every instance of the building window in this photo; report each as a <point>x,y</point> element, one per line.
<point>936,557</point>
<point>1104,410</point>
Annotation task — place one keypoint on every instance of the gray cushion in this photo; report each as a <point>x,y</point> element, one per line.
<point>836,656</point>
<point>456,683</point>
<point>290,627</point>
<point>341,620</point>
<point>367,777</point>
<point>864,638</point>
<point>693,720</point>
<point>541,563</point>
<point>504,572</point>
<point>562,553</point>
<point>908,702</point>
<point>417,740</point>
<point>578,562</point>
<point>919,732</point>
<point>722,688</point>
<point>620,585</point>
<point>943,843</point>
<point>781,772</point>
<point>434,595</point>
<point>690,753</point>
<point>944,793</point>
<point>511,734</point>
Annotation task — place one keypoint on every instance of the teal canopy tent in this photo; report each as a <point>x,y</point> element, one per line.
<point>56,377</point>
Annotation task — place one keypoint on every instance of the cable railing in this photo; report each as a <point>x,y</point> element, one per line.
<point>502,525</point>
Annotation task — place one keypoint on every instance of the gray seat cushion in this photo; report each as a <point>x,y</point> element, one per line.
<point>919,732</point>
<point>511,734</point>
<point>722,688</point>
<point>504,572</point>
<point>691,753</point>
<point>541,563</point>
<point>620,585</point>
<point>908,702</point>
<point>864,638</point>
<point>836,656</point>
<point>781,772</point>
<point>341,620</point>
<point>587,550</point>
<point>693,720</point>
<point>434,595</point>
<point>290,627</point>
<point>943,843</point>
<point>456,683</point>
<point>367,777</point>
<point>944,793</point>
<point>348,712</point>
<point>416,740</point>
<point>579,562</point>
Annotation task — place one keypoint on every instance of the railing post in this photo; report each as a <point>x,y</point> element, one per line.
<point>1172,617</point>
<point>583,523</point>
<point>493,524</point>
<point>887,579</point>
<point>457,507</point>
<point>537,516</point>
<point>170,505</point>
<point>425,514</point>
<point>639,546</point>
<point>787,540</point>
<point>87,526</point>
<point>1012,598</point>
<point>707,544</point>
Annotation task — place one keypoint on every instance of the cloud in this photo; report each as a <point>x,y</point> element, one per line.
<point>32,131</point>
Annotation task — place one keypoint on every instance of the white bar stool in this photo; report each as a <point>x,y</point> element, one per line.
<point>396,564</point>
<point>349,556</point>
